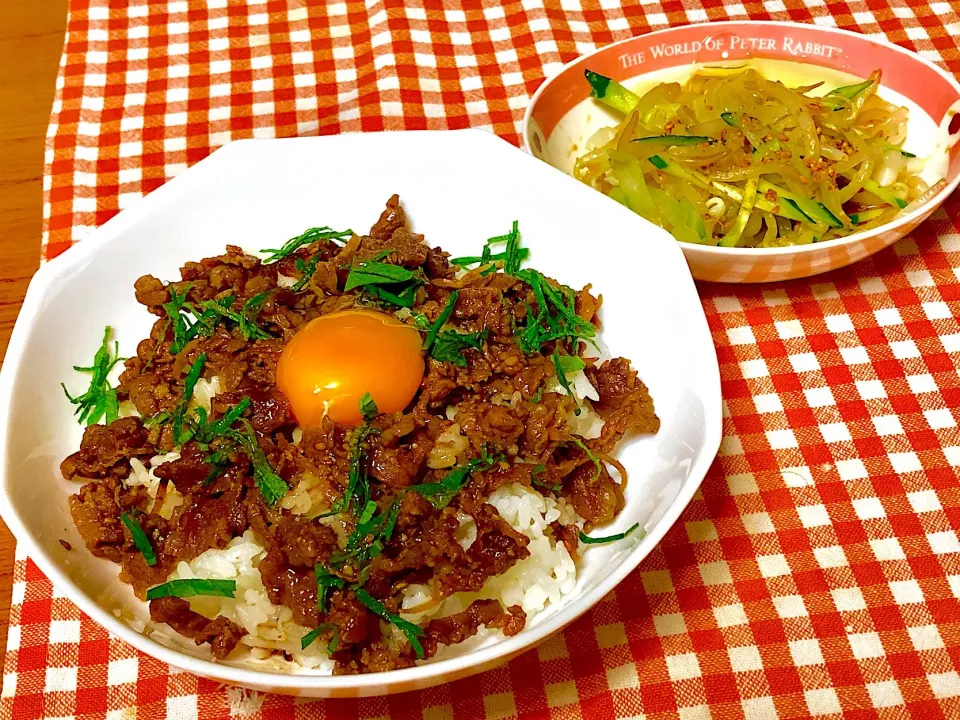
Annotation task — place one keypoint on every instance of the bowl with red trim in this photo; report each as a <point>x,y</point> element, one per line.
<point>561,119</point>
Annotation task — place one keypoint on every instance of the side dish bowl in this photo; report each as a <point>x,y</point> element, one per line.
<point>561,118</point>
<point>458,189</point>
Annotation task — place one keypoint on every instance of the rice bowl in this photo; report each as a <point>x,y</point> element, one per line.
<point>360,469</point>
<point>71,296</point>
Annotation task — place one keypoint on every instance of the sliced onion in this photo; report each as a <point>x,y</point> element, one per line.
<point>892,163</point>
<point>916,187</point>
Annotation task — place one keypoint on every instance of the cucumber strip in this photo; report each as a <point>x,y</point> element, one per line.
<point>674,140</point>
<point>746,209</point>
<point>736,121</point>
<point>730,119</point>
<point>866,215</point>
<point>730,191</point>
<point>818,211</point>
<point>872,186</point>
<point>891,146</point>
<point>610,92</point>
<point>813,210</point>
<point>660,164</point>
<point>762,203</point>
<point>771,146</point>
<point>849,92</point>
<point>791,203</point>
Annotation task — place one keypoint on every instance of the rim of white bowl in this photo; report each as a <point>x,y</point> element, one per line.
<point>419,676</point>
<point>931,204</point>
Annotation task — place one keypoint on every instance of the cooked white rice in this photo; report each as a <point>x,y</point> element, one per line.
<point>534,583</point>
<point>270,628</point>
<point>587,423</point>
<point>285,281</point>
<point>450,446</point>
<point>144,476</point>
<point>544,577</point>
<point>205,391</point>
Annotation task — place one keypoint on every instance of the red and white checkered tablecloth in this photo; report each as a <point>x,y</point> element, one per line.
<point>817,573</point>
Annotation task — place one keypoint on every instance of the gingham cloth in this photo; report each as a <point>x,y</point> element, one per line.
<point>816,573</point>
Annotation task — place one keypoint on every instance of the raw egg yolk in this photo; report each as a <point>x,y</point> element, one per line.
<point>336,359</point>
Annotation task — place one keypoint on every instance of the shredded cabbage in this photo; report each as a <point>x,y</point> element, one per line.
<point>734,159</point>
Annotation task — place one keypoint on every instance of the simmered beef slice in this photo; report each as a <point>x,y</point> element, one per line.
<point>206,522</point>
<point>192,474</point>
<point>189,473</point>
<point>397,467</point>
<point>498,546</point>
<point>390,233</point>
<point>438,264</point>
<point>484,305</point>
<point>355,622</point>
<point>489,425</point>
<point>151,292</point>
<point>383,655</point>
<point>141,576</point>
<point>456,628</point>
<point>304,542</point>
<point>624,403</point>
<point>408,248</point>
<point>438,383</point>
<point>546,424</point>
<point>222,634</point>
<point>147,391</point>
<point>594,495</point>
<point>97,517</point>
<point>423,539</point>
<point>380,656</point>
<point>325,275</point>
<point>271,410</point>
<point>105,450</point>
<point>259,516</point>
<point>495,550</point>
<point>391,219</point>
<point>294,587</point>
<point>96,511</point>
<point>569,535</point>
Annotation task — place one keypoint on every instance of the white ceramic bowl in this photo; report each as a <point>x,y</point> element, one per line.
<point>561,118</point>
<point>458,188</point>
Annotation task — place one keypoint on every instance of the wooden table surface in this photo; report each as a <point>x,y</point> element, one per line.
<point>31,38</point>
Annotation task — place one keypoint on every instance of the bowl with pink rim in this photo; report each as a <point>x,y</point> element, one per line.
<point>562,118</point>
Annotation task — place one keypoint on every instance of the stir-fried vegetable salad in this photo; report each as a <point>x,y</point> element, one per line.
<point>734,159</point>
